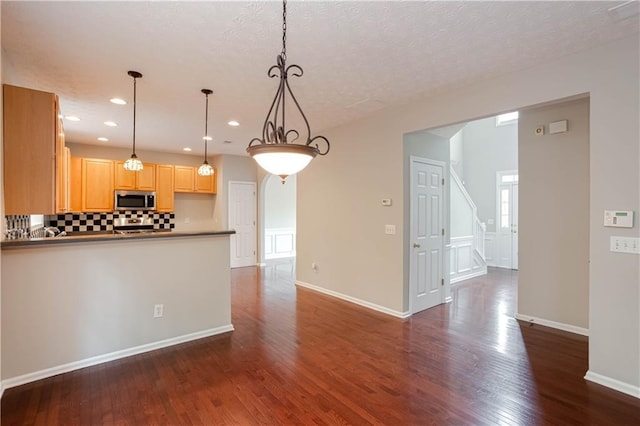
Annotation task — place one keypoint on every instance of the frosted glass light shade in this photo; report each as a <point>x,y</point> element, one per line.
<point>282,159</point>
<point>133,164</point>
<point>205,169</point>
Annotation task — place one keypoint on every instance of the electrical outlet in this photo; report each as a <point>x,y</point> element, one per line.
<point>158,311</point>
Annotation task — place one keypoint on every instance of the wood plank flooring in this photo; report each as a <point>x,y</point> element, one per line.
<point>299,357</point>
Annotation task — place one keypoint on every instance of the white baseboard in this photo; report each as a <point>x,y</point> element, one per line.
<point>547,323</point>
<point>613,384</point>
<point>357,301</point>
<point>479,272</point>
<point>76,365</point>
<point>1,390</point>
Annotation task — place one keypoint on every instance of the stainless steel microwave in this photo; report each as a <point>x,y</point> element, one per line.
<point>135,200</point>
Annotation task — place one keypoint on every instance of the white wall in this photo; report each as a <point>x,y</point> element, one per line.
<point>487,149</point>
<point>89,300</point>
<point>340,220</point>
<point>457,153</point>
<point>553,281</point>
<point>280,203</point>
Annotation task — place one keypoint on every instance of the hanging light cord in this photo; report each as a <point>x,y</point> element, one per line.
<point>206,121</point>
<point>134,115</point>
<point>284,29</point>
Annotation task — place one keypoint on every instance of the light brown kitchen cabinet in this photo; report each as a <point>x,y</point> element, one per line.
<point>187,179</point>
<point>33,152</point>
<point>75,184</point>
<point>164,187</point>
<point>144,180</point>
<point>205,184</point>
<point>184,179</point>
<point>97,185</point>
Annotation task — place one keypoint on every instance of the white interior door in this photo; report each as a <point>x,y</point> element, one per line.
<point>242,219</point>
<point>507,229</point>
<point>426,278</point>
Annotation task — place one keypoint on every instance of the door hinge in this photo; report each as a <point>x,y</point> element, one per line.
<point>443,232</point>
<point>442,281</point>
<point>442,181</point>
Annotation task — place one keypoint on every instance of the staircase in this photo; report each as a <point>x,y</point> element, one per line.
<point>467,258</point>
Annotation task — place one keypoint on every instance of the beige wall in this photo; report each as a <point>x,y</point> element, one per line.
<point>88,300</point>
<point>340,220</point>
<point>553,279</point>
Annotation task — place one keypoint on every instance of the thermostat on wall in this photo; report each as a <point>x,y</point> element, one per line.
<point>618,219</point>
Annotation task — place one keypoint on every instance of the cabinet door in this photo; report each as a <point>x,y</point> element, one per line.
<point>146,179</point>
<point>184,179</point>
<point>164,187</point>
<point>75,184</point>
<point>62,171</point>
<point>97,185</point>
<point>30,119</point>
<point>206,184</point>
<point>123,179</point>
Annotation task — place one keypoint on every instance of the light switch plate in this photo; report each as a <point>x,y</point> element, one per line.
<point>558,127</point>
<point>625,245</point>
<point>390,229</point>
<point>386,201</point>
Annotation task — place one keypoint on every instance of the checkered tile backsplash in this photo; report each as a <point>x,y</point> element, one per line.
<point>87,222</point>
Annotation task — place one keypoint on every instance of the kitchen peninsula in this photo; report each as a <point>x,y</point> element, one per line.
<point>71,302</point>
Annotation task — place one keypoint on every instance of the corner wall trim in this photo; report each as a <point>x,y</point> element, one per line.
<point>357,301</point>
<point>76,365</point>
<point>548,323</point>
<point>613,384</point>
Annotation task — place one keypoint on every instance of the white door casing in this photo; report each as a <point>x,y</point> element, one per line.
<point>507,220</point>
<point>242,219</point>
<point>426,277</point>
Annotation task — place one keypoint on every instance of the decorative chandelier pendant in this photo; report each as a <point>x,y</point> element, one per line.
<point>205,169</point>
<point>276,151</point>
<point>133,163</point>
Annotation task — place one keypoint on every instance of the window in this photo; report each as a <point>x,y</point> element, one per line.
<point>508,118</point>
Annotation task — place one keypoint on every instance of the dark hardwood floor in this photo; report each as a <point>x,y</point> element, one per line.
<point>299,357</point>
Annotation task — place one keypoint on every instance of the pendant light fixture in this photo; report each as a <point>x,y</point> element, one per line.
<point>206,169</point>
<point>133,163</point>
<point>276,151</point>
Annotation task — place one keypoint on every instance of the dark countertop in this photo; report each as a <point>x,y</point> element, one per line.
<point>104,237</point>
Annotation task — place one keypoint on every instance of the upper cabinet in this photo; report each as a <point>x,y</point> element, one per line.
<point>34,154</point>
<point>187,179</point>
<point>144,180</point>
<point>184,179</point>
<point>164,187</point>
<point>97,185</point>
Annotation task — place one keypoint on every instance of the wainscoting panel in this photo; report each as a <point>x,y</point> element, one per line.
<point>465,261</point>
<point>279,243</point>
<point>490,248</point>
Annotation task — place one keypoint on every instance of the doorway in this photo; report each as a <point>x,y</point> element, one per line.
<point>242,218</point>
<point>278,218</point>
<point>507,217</point>
<point>426,279</point>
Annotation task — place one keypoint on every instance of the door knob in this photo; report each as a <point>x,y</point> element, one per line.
<point>416,245</point>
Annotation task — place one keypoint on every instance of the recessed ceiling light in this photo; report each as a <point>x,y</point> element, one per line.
<point>118,101</point>
<point>233,123</point>
<point>110,123</point>
<point>207,138</point>
<point>103,139</point>
<point>71,118</point>
<point>187,149</point>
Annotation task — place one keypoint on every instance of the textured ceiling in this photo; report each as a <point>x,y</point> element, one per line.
<point>358,57</point>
